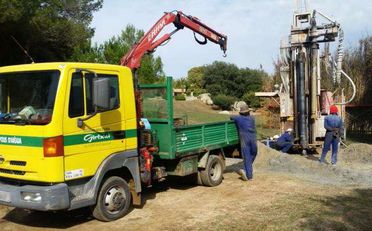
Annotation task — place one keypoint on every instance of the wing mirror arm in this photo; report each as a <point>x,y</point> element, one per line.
<point>80,121</point>
<point>100,93</point>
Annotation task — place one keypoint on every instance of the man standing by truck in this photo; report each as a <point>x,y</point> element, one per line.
<point>334,126</point>
<point>247,133</point>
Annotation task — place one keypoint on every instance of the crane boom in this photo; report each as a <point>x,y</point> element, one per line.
<point>148,43</point>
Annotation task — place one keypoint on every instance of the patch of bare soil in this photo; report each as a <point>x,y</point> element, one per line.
<point>263,203</point>
<point>289,192</point>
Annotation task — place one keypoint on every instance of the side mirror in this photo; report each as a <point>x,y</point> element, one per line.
<point>101,93</point>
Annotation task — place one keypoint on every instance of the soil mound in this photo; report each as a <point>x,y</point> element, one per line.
<point>354,166</point>
<point>357,153</point>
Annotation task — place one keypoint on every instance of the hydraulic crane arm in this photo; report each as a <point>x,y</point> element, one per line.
<point>148,44</point>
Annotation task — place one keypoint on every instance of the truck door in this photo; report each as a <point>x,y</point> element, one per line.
<point>99,136</point>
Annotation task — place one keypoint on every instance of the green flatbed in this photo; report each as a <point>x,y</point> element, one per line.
<point>176,138</point>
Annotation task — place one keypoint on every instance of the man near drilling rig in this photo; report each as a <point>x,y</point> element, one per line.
<point>285,141</point>
<point>248,142</point>
<point>334,126</point>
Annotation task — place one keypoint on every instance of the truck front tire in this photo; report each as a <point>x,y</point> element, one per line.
<point>212,174</point>
<point>114,199</point>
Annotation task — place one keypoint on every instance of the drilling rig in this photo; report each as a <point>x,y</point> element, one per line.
<point>303,102</point>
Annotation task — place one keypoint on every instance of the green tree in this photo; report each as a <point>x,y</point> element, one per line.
<point>180,83</point>
<point>112,50</point>
<point>227,79</point>
<point>358,64</point>
<point>50,30</point>
<point>195,79</point>
<point>221,78</point>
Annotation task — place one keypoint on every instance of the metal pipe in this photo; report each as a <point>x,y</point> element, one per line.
<point>325,16</point>
<point>301,112</point>
<point>313,91</point>
<point>313,71</point>
<point>318,74</point>
<point>352,84</point>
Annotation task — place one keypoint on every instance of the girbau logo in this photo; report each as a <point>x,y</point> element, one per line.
<point>97,137</point>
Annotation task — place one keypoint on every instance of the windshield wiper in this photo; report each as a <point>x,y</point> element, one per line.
<point>21,122</point>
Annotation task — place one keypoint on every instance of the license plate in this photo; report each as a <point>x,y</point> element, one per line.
<point>4,196</point>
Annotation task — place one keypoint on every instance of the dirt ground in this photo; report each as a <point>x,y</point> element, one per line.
<point>289,192</point>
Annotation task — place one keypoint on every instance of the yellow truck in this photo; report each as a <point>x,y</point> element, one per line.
<point>69,138</point>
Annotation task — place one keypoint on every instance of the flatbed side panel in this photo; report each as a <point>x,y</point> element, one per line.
<point>205,137</point>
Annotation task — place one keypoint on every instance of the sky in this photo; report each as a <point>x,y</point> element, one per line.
<point>254,28</point>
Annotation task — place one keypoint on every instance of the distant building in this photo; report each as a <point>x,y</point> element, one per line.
<point>179,91</point>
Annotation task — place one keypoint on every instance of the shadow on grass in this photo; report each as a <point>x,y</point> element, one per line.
<point>347,212</point>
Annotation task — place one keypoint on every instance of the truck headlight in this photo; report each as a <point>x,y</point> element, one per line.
<point>30,196</point>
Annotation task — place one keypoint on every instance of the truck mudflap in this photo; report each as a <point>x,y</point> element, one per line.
<point>42,198</point>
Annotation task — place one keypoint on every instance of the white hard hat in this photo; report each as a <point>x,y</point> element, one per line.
<point>289,130</point>
<point>276,136</point>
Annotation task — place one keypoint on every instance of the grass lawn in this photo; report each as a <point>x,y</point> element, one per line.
<point>196,112</point>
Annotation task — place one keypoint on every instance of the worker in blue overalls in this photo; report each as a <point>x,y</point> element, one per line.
<point>285,141</point>
<point>334,126</point>
<point>247,133</point>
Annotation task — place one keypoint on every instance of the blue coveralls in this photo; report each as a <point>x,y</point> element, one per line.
<point>285,142</point>
<point>247,133</point>
<point>331,122</point>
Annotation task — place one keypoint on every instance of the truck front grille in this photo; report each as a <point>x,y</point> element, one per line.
<point>12,172</point>
<point>18,163</point>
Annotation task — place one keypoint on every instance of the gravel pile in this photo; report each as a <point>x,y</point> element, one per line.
<point>354,167</point>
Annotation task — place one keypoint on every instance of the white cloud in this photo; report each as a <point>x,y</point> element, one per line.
<point>254,28</point>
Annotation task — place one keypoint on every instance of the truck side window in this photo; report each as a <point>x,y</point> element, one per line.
<point>114,91</point>
<point>76,102</point>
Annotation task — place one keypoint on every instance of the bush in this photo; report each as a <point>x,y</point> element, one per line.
<point>180,97</point>
<point>197,91</point>
<point>251,100</point>
<point>224,101</point>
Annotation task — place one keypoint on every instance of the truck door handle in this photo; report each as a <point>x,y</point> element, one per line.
<point>118,135</point>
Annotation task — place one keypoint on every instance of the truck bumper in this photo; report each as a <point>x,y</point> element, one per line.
<point>42,198</point>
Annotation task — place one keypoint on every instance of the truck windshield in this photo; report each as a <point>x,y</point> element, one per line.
<point>27,98</point>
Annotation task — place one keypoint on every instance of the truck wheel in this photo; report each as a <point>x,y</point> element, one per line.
<point>212,174</point>
<point>113,201</point>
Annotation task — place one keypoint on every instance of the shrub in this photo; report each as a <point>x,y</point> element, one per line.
<point>180,97</point>
<point>223,101</point>
<point>251,100</point>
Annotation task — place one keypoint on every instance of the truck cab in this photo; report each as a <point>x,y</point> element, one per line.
<point>51,156</point>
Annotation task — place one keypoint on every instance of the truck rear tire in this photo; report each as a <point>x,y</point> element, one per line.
<point>212,174</point>
<point>114,199</point>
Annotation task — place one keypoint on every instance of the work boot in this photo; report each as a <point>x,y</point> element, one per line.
<point>241,172</point>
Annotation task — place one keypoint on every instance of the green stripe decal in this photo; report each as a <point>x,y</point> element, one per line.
<point>131,133</point>
<point>21,140</point>
<point>32,141</point>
